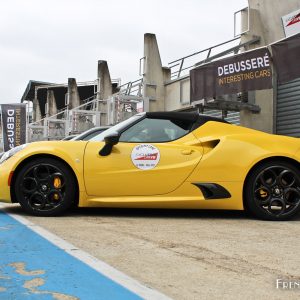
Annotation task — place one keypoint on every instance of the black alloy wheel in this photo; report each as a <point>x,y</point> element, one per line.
<point>273,191</point>
<point>45,187</point>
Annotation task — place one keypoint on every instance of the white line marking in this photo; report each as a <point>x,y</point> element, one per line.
<point>93,262</point>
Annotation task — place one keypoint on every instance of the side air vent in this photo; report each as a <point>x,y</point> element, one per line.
<point>212,191</point>
<point>209,145</point>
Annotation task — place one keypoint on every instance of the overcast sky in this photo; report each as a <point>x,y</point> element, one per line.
<point>53,40</point>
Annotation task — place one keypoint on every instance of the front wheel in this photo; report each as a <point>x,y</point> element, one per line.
<point>272,191</point>
<point>45,187</point>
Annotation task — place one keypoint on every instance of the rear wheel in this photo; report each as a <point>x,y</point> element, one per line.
<point>45,187</point>
<point>272,191</point>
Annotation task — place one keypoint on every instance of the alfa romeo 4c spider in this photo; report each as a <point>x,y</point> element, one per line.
<point>159,160</point>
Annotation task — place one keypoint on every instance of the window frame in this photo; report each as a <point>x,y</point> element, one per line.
<point>145,117</point>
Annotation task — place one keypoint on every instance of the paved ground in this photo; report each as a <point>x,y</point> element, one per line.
<point>188,254</point>
<point>35,264</point>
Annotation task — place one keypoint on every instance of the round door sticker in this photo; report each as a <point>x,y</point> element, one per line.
<point>145,156</point>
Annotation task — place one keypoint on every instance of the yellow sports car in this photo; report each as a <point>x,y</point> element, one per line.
<point>159,160</point>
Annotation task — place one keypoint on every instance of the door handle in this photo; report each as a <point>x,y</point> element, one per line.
<point>186,152</point>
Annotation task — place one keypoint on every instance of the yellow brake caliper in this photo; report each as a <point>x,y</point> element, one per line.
<point>57,185</point>
<point>263,193</point>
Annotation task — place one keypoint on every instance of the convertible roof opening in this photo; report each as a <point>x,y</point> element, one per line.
<point>193,117</point>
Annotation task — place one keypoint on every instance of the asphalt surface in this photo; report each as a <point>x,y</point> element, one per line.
<point>188,254</point>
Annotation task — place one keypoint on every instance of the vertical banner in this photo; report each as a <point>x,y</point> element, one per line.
<point>286,58</point>
<point>13,125</point>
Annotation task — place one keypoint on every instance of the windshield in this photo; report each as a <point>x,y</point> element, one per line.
<point>118,127</point>
<point>89,134</point>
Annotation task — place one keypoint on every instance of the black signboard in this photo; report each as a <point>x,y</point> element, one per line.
<point>240,73</point>
<point>13,125</point>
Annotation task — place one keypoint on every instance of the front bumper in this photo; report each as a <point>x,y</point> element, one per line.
<point>5,170</point>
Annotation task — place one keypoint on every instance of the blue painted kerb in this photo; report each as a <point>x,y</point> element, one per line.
<point>33,268</point>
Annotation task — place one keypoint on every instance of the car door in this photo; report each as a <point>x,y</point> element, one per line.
<point>142,167</point>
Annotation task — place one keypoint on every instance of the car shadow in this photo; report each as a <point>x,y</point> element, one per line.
<point>149,213</point>
<point>158,213</point>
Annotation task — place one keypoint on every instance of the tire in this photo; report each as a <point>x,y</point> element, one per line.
<point>45,187</point>
<point>272,191</point>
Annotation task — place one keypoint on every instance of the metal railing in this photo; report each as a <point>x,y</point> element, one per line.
<point>84,116</point>
<point>236,32</point>
<point>87,115</point>
<point>134,88</point>
<point>180,64</point>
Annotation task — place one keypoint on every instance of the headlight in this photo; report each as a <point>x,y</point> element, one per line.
<point>11,152</point>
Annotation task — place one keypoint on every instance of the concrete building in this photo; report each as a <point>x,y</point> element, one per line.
<point>261,26</point>
<point>168,87</point>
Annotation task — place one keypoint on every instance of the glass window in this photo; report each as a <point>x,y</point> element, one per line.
<point>117,128</point>
<point>156,130</point>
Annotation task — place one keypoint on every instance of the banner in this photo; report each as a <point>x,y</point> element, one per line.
<point>241,73</point>
<point>286,58</point>
<point>13,125</point>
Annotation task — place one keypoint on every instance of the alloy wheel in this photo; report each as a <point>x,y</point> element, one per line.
<point>277,191</point>
<point>43,187</point>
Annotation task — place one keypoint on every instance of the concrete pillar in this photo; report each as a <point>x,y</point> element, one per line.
<point>51,103</point>
<point>73,95</point>
<point>105,90</point>
<point>154,74</point>
<point>104,81</point>
<point>37,115</point>
<point>166,74</point>
<point>263,98</point>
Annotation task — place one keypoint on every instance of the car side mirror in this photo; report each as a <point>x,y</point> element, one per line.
<point>110,141</point>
